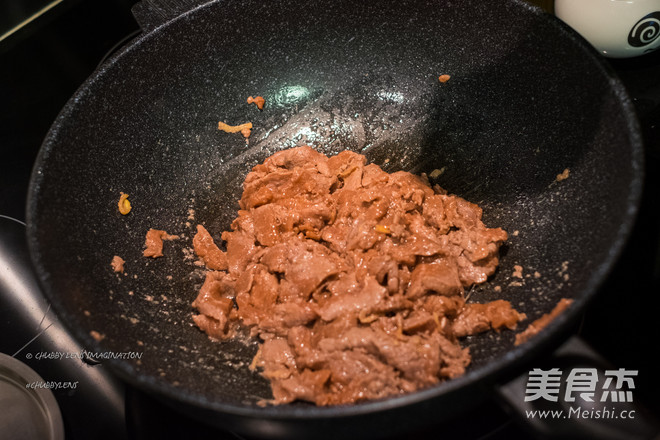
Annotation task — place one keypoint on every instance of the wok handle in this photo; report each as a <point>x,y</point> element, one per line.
<point>603,418</point>
<point>150,14</point>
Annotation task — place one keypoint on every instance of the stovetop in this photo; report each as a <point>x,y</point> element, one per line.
<point>42,66</point>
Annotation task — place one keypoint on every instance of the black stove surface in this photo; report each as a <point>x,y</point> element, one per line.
<point>42,66</point>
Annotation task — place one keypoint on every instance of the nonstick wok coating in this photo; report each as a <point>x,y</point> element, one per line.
<point>527,99</point>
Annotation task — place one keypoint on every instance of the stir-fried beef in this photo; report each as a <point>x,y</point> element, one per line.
<point>352,278</point>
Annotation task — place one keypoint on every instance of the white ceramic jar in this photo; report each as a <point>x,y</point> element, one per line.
<point>616,28</point>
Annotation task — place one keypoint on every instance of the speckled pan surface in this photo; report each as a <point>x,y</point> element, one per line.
<point>527,99</point>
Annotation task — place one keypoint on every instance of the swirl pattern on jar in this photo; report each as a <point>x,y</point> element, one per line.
<point>645,31</point>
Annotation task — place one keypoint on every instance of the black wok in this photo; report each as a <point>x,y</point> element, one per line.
<point>527,99</point>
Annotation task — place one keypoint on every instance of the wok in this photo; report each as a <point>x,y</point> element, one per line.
<point>527,99</point>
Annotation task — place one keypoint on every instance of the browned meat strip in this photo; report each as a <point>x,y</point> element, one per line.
<point>208,251</point>
<point>535,327</point>
<point>153,242</point>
